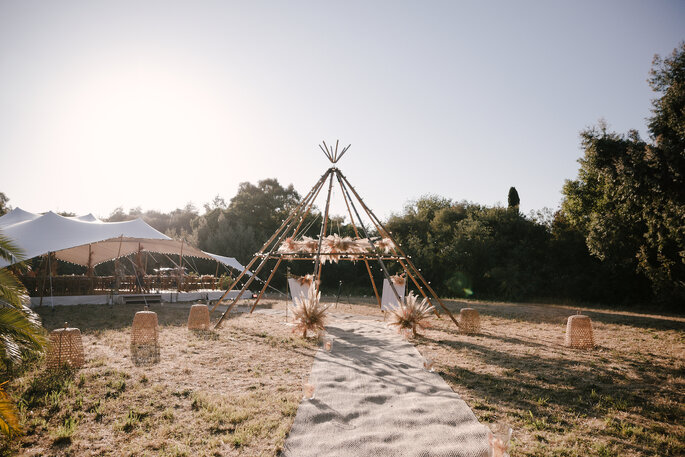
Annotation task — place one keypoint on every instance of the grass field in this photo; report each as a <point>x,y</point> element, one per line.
<point>235,391</point>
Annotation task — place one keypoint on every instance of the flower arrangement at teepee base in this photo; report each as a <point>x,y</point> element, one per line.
<point>411,314</point>
<point>309,313</point>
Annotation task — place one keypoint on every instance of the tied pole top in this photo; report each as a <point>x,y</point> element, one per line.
<point>332,153</point>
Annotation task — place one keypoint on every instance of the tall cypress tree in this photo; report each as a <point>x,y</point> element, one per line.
<point>514,199</point>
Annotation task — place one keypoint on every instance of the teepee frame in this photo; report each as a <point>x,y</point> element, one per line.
<point>293,223</point>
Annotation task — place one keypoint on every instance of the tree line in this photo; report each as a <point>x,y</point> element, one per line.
<point>618,237</point>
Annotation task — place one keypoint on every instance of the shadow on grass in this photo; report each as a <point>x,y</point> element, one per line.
<point>550,314</point>
<point>91,318</point>
<point>546,392</point>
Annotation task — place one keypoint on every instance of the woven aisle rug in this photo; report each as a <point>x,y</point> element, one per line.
<point>374,398</point>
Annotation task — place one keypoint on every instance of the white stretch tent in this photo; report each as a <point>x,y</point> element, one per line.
<point>87,240</point>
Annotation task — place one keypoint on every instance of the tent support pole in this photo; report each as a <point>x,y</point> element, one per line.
<point>45,276</point>
<point>116,266</point>
<point>180,266</point>
<point>90,259</point>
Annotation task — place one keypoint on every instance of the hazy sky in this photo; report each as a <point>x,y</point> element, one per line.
<point>160,103</point>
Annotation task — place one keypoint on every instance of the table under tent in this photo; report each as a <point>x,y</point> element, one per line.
<point>88,242</point>
<point>289,243</point>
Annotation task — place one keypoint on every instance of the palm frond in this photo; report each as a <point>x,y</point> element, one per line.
<point>20,331</point>
<point>12,291</point>
<point>20,328</point>
<point>9,418</point>
<point>8,250</point>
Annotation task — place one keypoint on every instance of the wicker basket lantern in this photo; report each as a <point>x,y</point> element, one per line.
<point>579,332</point>
<point>469,320</point>
<point>145,338</point>
<point>198,319</point>
<point>65,347</point>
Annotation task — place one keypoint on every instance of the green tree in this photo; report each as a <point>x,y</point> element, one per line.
<point>513,198</point>
<point>465,248</point>
<point>629,198</point>
<point>176,224</point>
<point>4,207</point>
<point>252,216</point>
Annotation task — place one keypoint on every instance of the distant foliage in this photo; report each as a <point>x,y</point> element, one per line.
<point>629,198</point>
<point>513,198</point>
<point>469,250</point>
<point>4,206</point>
<point>179,223</point>
<point>252,216</point>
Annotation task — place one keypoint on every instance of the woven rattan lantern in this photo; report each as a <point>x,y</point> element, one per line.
<point>469,320</point>
<point>145,338</point>
<point>65,347</point>
<point>579,332</point>
<point>198,319</point>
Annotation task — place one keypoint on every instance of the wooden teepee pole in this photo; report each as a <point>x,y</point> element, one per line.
<point>266,284</point>
<point>378,257</point>
<point>356,233</point>
<point>324,226</point>
<point>268,242</point>
<point>283,230</point>
<point>383,232</point>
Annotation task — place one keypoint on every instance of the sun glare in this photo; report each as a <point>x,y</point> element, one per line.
<point>141,113</point>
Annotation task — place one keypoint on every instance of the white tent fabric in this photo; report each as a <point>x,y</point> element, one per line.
<point>388,299</point>
<point>230,261</point>
<point>87,218</point>
<point>52,232</point>
<point>78,239</point>
<point>15,216</point>
<point>102,251</point>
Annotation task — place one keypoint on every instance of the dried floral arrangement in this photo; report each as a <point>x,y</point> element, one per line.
<point>306,280</point>
<point>309,313</point>
<point>333,247</point>
<point>411,314</point>
<point>398,280</point>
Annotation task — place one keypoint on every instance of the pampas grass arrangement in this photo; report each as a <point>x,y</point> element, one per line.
<point>309,313</point>
<point>411,314</point>
<point>334,247</point>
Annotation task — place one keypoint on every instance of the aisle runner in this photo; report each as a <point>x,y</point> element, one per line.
<point>373,398</point>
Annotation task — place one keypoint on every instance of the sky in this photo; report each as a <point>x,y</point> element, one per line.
<point>155,104</point>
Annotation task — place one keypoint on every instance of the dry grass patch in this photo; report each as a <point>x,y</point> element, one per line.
<point>624,398</point>
<point>234,391</point>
